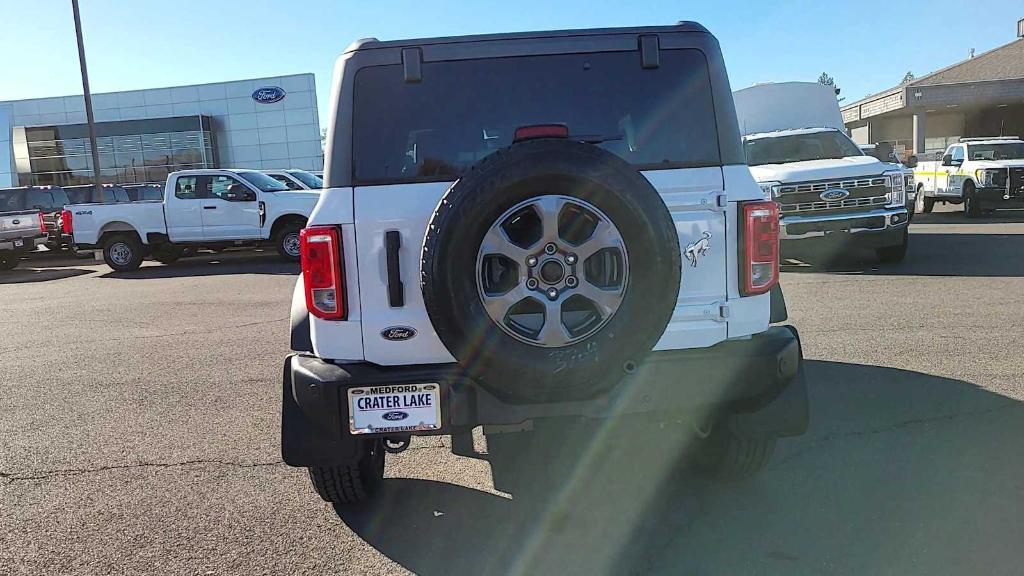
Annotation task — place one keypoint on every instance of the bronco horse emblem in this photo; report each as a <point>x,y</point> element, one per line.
<point>698,248</point>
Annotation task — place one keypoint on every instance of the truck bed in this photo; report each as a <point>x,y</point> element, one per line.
<point>90,221</point>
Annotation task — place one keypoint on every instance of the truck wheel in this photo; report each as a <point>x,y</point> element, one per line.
<point>287,242</point>
<point>894,254</point>
<point>727,455</point>
<point>167,254</point>
<point>526,277</point>
<point>972,204</point>
<point>350,483</point>
<point>9,261</point>
<point>123,252</point>
<point>924,203</point>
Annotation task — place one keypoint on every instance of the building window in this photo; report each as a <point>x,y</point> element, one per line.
<point>130,152</point>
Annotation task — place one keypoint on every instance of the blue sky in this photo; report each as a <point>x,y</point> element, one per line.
<point>867,45</point>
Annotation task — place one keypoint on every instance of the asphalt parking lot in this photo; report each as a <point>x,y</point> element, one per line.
<point>140,422</point>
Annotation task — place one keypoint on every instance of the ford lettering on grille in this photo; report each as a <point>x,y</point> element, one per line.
<point>834,194</point>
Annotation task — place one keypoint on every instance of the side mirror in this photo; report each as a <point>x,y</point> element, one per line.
<point>947,160</point>
<point>911,161</point>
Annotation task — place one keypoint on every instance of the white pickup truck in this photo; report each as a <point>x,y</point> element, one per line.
<point>826,187</point>
<point>980,173</point>
<point>201,208</point>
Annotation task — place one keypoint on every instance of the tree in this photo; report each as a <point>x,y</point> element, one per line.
<point>908,77</point>
<point>827,80</point>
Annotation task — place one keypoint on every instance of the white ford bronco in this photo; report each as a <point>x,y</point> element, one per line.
<point>520,231</point>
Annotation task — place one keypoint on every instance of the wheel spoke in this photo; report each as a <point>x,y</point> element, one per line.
<point>498,306</point>
<point>604,236</point>
<point>606,300</point>
<point>553,332</point>
<point>496,242</point>
<point>548,208</point>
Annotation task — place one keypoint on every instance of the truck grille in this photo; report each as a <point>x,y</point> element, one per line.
<point>1016,188</point>
<point>865,193</point>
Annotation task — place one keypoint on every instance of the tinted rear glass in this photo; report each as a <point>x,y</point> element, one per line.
<point>462,111</point>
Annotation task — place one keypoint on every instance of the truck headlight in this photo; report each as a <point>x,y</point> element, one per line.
<point>770,189</point>
<point>991,177</point>
<point>897,195</point>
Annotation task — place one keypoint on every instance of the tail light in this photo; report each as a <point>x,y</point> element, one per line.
<point>760,261</point>
<point>42,224</point>
<point>322,260</point>
<point>65,222</point>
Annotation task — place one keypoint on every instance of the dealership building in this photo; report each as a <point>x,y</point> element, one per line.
<point>980,96</point>
<point>142,135</point>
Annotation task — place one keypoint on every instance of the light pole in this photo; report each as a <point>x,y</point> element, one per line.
<point>97,193</point>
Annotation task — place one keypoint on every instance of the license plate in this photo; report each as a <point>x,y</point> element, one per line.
<point>18,242</point>
<point>394,408</point>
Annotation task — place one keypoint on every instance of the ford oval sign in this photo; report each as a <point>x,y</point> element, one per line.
<point>397,333</point>
<point>395,416</point>
<point>833,195</point>
<point>268,95</point>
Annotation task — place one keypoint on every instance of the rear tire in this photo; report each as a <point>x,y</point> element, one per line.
<point>123,252</point>
<point>287,242</point>
<point>728,456</point>
<point>924,203</point>
<point>894,254</point>
<point>350,483</point>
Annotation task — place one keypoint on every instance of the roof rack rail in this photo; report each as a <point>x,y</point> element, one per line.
<point>980,138</point>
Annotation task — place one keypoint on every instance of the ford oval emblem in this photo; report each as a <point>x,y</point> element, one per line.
<point>397,333</point>
<point>834,194</point>
<point>395,416</point>
<point>268,95</point>
<point>15,221</point>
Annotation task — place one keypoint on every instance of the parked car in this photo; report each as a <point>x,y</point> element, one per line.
<point>200,209</point>
<point>518,264</point>
<point>20,230</point>
<point>48,200</point>
<point>296,179</point>
<point>827,189</point>
<point>145,192</point>
<point>885,153</point>
<point>109,194</point>
<point>980,173</point>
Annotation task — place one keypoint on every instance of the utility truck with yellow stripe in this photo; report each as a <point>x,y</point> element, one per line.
<point>980,173</point>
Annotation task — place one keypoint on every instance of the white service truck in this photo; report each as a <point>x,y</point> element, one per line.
<point>827,189</point>
<point>201,209</point>
<point>980,173</point>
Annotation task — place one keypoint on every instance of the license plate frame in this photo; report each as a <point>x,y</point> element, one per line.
<point>394,408</point>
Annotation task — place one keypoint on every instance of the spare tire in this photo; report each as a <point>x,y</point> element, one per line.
<point>549,270</point>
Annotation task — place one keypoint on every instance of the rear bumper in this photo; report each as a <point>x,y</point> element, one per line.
<point>28,244</point>
<point>758,375</point>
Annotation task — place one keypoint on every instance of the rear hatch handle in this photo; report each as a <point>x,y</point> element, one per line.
<point>396,290</point>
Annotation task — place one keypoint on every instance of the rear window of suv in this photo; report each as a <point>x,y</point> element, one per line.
<point>462,111</point>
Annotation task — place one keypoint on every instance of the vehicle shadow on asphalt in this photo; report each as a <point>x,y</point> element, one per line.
<point>929,254</point>
<point>900,473</point>
<point>24,275</point>
<point>211,265</point>
<point>948,216</point>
